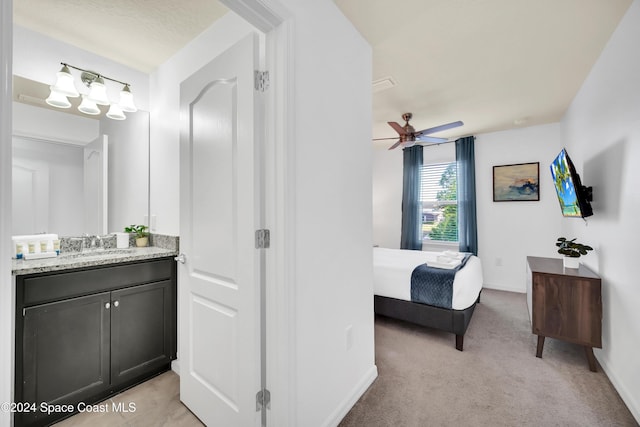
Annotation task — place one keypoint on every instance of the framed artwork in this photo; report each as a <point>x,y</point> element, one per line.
<point>516,183</point>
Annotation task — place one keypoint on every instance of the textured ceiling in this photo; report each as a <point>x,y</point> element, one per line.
<point>494,64</point>
<point>138,33</point>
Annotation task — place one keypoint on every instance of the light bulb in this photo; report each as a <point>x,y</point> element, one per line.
<point>64,83</point>
<point>126,100</point>
<point>98,92</point>
<point>115,112</point>
<point>88,106</point>
<point>57,99</point>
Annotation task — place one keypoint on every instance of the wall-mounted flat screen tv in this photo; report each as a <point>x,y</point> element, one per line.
<point>574,198</point>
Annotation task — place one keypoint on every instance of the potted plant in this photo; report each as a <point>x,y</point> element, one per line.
<point>142,236</point>
<point>571,251</point>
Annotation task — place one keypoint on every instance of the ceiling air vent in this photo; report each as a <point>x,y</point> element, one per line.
<point>383,84</point>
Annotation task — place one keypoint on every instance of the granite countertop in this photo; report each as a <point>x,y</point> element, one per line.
<point>88,259</point>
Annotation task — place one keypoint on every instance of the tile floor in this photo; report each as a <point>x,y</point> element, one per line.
<point>157,403</point>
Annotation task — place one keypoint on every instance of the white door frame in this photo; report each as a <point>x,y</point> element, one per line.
<point>270,17</point>
<point>7,287</point>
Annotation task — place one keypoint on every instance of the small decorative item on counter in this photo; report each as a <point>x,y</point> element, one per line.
<point>19,251</point>
<point>142,236</point>
<point>35,246</point>
<point>122,240</point>
<point>56,246</point>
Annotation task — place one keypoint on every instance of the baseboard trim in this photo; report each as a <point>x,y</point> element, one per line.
<point>625,395</point>
<point>504,288</point>
<point>175,366</point>
<point>343,409</point>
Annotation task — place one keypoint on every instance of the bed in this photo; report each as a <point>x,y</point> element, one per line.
<point>392,275</point>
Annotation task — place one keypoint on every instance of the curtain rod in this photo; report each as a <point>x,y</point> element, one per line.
<point>447,142</point>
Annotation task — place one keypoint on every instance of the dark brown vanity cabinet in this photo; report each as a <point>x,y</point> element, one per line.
<point>83,335</point>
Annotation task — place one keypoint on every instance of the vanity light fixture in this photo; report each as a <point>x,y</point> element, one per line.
<point>95,82</point>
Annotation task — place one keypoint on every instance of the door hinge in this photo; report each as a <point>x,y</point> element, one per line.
<point>263,239</point>
<point>263,400</point>
<point>261,80</point>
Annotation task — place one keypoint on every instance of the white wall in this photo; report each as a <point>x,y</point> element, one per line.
<point>387,196</point>
<point>7,284</point>
<point>508,232</point>
<point>602,131</point>
<point>333,212</point>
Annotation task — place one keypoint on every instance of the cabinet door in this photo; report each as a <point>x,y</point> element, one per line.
<point>141,338</point>
<point>567,308</point>
<point>66,350</point>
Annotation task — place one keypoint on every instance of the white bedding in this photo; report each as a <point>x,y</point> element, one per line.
<point>392,270</point>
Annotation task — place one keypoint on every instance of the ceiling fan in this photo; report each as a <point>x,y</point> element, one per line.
<point>409,136</point>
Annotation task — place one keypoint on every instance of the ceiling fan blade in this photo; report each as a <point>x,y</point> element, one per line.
<point>381,139</point>
<point>439,128</point>
<point>431,139</point>
<point>397,128</point>
<point>395,145</point>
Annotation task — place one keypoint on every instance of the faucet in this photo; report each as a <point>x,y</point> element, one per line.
<point>95,242</point>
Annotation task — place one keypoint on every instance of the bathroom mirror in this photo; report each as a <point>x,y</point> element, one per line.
<point>75,174</point>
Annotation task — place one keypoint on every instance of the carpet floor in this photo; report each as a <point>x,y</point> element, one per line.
<point>496,381</point>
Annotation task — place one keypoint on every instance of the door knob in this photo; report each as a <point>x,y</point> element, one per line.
<point>116,303</point>
<point>181,258</point>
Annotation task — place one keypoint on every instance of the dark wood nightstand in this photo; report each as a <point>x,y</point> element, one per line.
<point>565,304</point>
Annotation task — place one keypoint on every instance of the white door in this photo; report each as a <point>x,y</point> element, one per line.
<point>219,294</point>
<point>30,197</point>
<point>96,182</point>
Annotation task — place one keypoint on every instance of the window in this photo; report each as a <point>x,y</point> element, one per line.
<point>438,196</point>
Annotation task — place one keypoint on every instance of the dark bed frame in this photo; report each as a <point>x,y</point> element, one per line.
<point>448,320</point>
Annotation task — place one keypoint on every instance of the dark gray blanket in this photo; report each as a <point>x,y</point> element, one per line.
<point>434,286</point>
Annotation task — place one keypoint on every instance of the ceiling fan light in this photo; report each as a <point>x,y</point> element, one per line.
<point>98,92</point>
<point>126,100</point>
<point>64,83</point>
<point>408,143</point>
<point>115,112</point>
<point>57,99</point>
<point>88,106</point>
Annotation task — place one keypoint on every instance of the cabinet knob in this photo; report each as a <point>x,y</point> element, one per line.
<point>107,306</point>
<point>181,258</point>
<point>116,303</point>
